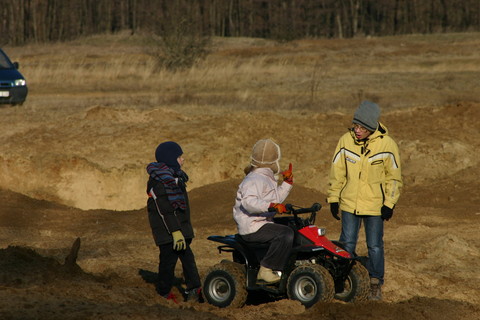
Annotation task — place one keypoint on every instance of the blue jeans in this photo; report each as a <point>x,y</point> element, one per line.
<point>374,234</point>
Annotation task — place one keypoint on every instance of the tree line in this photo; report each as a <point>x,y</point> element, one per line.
<point>26,21</point>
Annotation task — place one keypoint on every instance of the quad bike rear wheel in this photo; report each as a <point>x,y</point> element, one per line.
<point>357,285</point>
<point>225,285</point>
<point>309,284</point>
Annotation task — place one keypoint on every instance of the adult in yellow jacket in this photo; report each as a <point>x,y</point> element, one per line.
<point>365,183</point>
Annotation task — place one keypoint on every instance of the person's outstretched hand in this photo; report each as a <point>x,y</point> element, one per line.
<point>387,213</point>
<point>288,175</point>
<point>277,207</point>
<point>334,210</point>
<point>178,241</point>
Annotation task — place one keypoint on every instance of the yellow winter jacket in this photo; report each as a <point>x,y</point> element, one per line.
<point>365,175</point>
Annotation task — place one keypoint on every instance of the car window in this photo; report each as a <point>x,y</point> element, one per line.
<point>4,62</point>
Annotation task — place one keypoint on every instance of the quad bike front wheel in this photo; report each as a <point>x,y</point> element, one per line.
<point>309,284</point>
<point>357,285</point>
<point>225,285</point>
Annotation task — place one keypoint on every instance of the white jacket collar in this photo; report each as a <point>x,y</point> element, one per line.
<point>265,171</point>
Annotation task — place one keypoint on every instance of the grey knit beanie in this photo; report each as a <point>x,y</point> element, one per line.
<point>367,115</point>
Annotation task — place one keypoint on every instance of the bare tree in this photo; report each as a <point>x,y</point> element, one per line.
<point>24,21</point>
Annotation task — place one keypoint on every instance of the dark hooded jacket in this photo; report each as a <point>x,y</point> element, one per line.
<point>173,219</point>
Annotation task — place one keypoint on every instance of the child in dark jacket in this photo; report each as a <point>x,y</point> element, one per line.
<point>169,216</point>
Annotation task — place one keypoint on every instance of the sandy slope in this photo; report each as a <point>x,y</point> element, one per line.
<point>431,243</point>
<point>431,265</point>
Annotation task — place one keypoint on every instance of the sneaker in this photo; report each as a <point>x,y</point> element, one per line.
<point>375,290</point>
<point>194,294</point>
<point>171,296</point>
<point>266,275</point>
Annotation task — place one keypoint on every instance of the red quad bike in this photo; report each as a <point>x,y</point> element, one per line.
<point>318,269</point>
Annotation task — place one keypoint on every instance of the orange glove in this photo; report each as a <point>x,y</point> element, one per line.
<point>278,207</point>
<point>288,175</point>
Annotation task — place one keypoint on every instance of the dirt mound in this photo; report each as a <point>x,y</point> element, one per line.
<point>22,267</point>
<point>100,148</point>
<point>118,251</point>
<point>212,204</point>
<point>415,308</point>
<point>449,247</point>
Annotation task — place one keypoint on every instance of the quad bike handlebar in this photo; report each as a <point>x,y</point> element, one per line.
<point>313,209</point>
<point>295,212</point>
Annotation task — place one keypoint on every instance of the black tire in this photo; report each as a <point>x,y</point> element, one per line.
<point>225,286</point>
<point>309,284</point>
<point>357,285</point>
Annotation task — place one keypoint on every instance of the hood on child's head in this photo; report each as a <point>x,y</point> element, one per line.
<point>168,153</point>
<point>266,154</point>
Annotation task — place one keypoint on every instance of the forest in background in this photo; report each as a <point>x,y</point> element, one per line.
<point>40,21</point>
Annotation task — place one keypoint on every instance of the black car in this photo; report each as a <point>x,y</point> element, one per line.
<point>13,87</point>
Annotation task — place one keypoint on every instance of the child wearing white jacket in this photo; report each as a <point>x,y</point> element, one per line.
<point>259,199</point>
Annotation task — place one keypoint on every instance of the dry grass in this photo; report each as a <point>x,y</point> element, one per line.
<point>260,74</point>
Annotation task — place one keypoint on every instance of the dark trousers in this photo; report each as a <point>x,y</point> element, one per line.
<point>280,238</point>
<point>166,267</point>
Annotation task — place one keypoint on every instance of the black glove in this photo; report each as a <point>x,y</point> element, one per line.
<point>334,210</point>
<point>387,213</point>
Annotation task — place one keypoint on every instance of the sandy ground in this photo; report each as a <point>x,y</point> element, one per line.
<point>432,257</point>
<point>70,156</point>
